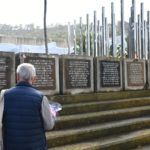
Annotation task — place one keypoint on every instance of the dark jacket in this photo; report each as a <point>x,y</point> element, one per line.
<point>22,121</point>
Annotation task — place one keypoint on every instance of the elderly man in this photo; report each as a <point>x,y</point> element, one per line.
<point>26,114</point>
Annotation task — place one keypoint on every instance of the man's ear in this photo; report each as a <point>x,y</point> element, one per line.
<point>17,77</point>
<point>34,79</point>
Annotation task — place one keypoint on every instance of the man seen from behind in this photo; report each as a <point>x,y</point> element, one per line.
<point>26,114</point>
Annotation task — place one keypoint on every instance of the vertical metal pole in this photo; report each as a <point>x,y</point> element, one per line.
<point>107,37</point>
<point>145,37</point>
<point>131,37</point>
<point>103,32</point>
<point>139,36</point>
<point>69,38</point>
<point>95,34</point>
<point>133,30</point>
<point>108,42</point>
<point>137,44</point>
<point>142,31</point>
<point>81,37</point>
<point>148,33</point>
<point>134,10</point>
<point>122,42</point>
<point>99,39</point>
<point>114,36</point>
<point>122,30</point>
<point>74,33</point>
<point>92,39</point>
<point>87,36</point>
<point>45,27</point>
<point>129,40</point>
<point>113,29</point>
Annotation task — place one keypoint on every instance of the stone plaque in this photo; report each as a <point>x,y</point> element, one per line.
<point>5,72</point>
<point>109,73</point>
<point>45,70</point>
<point>135,73</point>
<point>77,73</point>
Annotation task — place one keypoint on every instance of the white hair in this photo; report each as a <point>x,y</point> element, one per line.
<point>26,71</point>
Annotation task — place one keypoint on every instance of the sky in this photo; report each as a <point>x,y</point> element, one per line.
<point>15,12</point>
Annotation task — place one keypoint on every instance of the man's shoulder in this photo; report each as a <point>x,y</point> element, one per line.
<point>24,90</point>
<point>38,92</point>
<point>9,90</point>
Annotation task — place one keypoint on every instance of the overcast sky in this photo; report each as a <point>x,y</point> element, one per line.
<point>17,12</point>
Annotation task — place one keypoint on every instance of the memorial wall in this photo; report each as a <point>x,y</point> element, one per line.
<point>7,70</point>
<point>76,74</point>
<point>108,74</point>
<point>47,71</point>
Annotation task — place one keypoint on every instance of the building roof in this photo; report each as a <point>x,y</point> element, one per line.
<point>52,48</point>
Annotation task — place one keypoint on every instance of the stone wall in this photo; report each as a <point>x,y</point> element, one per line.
<point>7,70</point>
<point>77,74</point>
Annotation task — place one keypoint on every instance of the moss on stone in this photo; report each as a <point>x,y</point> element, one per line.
<point>66,99</point>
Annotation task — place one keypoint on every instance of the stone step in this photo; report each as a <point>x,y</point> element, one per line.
<point>145,147</point>
<point>69,109</point>
<point>132,140</point>
<point>70,99</point>
<point>70,121</point>
<point>70,136</point>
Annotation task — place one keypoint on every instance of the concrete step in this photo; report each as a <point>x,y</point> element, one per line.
<point>69,109</point>
<point>70,136</point>
<point>132,140</point>
<point>74,121</point>
<point>145,147</point>
<point>103,96</point>
<point>102,117</point>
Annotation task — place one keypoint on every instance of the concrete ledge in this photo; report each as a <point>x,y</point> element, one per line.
<point>77,108</point>
<point>122,142</point>
<point>90,97</point>
<point>76,121</point>
<point>58,138</point>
